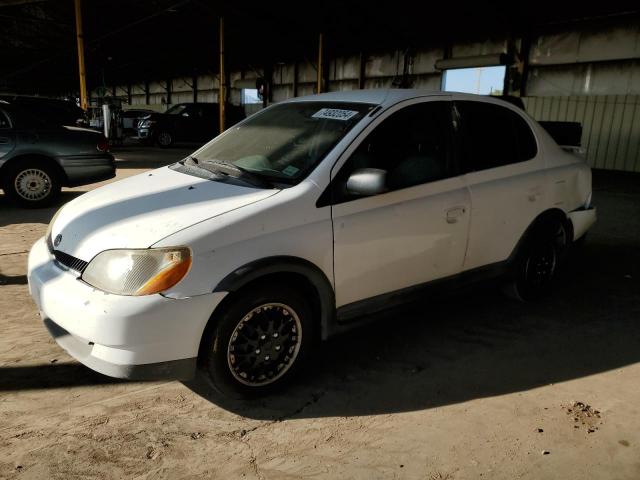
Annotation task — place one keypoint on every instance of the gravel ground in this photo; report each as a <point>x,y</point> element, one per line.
<point>471,386</point>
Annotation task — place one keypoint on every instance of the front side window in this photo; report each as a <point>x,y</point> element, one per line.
<point>413,145</point>
<point>493,136</point>
<point>285,142</point>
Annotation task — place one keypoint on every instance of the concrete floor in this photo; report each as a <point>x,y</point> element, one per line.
<point>473,386</point>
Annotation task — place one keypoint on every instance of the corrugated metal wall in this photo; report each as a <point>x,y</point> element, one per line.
<point>610,126</point>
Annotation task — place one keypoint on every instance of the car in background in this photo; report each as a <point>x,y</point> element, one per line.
<point>39,155</point>
<point>53,110</point>
<point>186,122</point>
<point>300,222</point>
<point>131,118</point>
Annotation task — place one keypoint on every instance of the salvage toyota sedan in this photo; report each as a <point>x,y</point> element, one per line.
<point>300,222</point>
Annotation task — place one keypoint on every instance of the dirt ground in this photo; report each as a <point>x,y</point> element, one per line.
<point>472,386</point>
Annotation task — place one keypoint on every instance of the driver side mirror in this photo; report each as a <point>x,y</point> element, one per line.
<point>367,182</point>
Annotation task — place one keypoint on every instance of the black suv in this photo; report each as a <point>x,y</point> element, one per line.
<point>186,122</point>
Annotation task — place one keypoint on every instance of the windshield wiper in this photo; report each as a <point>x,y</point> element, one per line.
<point>228,168</point>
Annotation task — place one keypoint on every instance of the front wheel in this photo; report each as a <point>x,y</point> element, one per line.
<point>164,139</point>
<point>261,339</point>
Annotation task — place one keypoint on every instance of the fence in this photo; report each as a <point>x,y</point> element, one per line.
<point>610,126</point>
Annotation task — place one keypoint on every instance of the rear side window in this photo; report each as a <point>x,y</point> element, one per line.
<point>4,121</point>
<point>494,136</point>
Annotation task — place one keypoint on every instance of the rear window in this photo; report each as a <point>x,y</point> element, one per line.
<point>494,136</point>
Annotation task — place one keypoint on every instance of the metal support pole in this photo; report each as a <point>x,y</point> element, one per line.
<point>362,74</point>
<point>169,88</point>
<point>221,96</point>
<point>319,89</point>
<point>194,83</point>
<point>84,103</point>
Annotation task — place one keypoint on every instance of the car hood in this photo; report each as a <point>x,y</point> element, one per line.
<point>139,211</point>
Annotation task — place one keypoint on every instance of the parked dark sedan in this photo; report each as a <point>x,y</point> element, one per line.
<point>186,122</point>
<point>38,156</point>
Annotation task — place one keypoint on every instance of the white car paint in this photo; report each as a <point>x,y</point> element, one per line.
<point>364,248</point>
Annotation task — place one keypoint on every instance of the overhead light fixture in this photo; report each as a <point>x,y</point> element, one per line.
<point>474,61</point>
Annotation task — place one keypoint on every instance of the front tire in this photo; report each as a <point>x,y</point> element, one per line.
<point>259,342</point>
<point>32,184</point>
<point>164,139</point>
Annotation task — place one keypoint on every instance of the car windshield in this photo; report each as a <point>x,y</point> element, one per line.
<point>285,142</point>
<point>176,110</point>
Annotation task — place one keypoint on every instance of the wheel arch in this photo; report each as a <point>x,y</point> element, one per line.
<point>7,165</point>
<point>546,217</point>
<point>294,271</point>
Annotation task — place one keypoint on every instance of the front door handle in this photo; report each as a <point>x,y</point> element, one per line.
<point>454,213</point>
<point>4,140</point>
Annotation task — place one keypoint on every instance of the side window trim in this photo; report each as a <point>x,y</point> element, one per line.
<point>327,196</point>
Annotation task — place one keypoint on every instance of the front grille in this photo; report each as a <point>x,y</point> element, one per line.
<point>70,261</point>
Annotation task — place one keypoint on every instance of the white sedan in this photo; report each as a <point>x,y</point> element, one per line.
<point>298,223</point>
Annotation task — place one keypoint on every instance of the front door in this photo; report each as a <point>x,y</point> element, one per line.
<point>416,231</point>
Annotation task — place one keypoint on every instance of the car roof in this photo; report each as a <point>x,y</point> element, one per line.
<point>391,96</point>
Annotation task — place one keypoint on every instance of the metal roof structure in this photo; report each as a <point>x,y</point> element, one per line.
<point>128,41</point>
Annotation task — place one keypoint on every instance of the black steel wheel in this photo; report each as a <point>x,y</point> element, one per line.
<point>260,340</point>
<point>537,264</point>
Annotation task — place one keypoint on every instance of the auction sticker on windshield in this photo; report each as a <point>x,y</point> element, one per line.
<point>334,114</point>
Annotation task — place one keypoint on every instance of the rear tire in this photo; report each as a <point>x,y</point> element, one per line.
<point>538,262</point>
<point>259,342</point>
<point>32,183</point>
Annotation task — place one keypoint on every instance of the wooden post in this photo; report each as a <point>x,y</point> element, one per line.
<point>222,93</point>
<point>319,89</point>
<point>84,103</point>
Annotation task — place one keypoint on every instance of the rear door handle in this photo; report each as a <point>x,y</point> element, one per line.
<point>4,140</point>
<point>454,213</point>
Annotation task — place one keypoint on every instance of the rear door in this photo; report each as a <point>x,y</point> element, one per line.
<point>416,231</point>
<point>505,175</point>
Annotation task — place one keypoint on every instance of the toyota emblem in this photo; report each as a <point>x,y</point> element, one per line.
<point>57,241</point>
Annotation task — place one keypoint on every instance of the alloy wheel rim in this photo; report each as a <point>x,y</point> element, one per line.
<point>33,184</point>
<point>265,344</point>
<point>164,138</point>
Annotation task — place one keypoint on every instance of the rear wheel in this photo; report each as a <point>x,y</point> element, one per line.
<point>32,183</point>
<point>538,262</point>
<point>259,342</point>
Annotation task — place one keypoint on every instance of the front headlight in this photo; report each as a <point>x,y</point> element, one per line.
<point>146,123</point>
<point>138,271</point>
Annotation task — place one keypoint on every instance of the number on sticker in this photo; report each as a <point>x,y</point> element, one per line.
<point>334,114</point>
